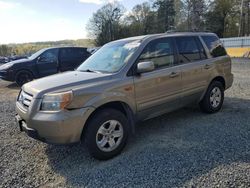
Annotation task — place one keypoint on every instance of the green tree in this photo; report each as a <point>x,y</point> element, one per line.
<point>165,10</point>
<point>221,17</point>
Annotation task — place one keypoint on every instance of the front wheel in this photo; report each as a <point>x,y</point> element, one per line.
<point>106,134</point>
<point>213,99</point>
<point>23,77</point>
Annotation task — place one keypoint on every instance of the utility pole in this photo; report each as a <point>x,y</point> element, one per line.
<point>248,18</point>
<point>241,19</point>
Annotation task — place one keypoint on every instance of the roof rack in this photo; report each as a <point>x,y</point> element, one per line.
<point>193,30</point>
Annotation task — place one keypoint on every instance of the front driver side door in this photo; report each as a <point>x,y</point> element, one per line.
<point>159,91</point>
<point>47,62</point>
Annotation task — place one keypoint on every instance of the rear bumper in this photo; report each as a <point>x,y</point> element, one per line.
<point>229,80</point>
<point>64,127</point>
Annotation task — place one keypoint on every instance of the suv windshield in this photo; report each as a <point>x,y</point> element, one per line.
<point>111,57</point>
<point>35,55</point>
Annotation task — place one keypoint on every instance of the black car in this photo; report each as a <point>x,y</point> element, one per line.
<point>43,63</point>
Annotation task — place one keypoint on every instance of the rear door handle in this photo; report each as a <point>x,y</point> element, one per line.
<point>207,66</point>
<point>174,74</point>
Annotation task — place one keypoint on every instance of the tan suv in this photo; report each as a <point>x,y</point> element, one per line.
<point>126,81</point>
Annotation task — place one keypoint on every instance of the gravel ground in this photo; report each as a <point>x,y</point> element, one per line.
<point>185,148</point>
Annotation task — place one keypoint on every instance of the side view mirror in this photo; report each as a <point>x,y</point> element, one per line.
<point>41,59</point>
<point>145,67</point>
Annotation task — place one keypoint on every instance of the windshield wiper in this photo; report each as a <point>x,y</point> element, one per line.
<point>88,70</point>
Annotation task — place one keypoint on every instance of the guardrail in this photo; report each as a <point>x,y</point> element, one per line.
<point>236,42</point>
<point>237,46</point>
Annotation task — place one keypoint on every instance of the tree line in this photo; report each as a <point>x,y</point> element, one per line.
<point>30,48</point>
<point>226,18</point>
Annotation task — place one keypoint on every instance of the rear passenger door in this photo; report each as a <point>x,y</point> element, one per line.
<point>83,54</point>
<point>220,61</point>
<point>192,60</point>
<point>158,91</point>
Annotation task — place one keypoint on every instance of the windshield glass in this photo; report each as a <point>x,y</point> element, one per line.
<point>35,55</point>
<point>111,57</point>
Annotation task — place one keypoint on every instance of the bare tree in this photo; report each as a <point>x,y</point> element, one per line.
<point>141,19</point>
<point>195,11</point>
<point>104,24</point>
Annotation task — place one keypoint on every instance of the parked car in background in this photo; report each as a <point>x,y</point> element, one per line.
<point>126,81</point>
<point>3,60</point>
<point>43,63</point>
<point>16,57</point>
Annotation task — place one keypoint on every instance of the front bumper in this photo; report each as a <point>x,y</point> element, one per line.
<point>6,75</point>
<point>30,132</point>
<point>64,127</point>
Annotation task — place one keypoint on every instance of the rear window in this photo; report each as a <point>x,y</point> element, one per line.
<point>214,45</point>
<point>69,53</point>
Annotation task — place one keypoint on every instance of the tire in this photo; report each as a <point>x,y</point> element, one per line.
<point>23,77</point>
<point>213,99</point>
<point>101,137</point>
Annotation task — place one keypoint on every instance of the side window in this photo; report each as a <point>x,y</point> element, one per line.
<point>189,49</point>
<point>65,54</point>
<point>70,54</point>
<point>159,51</point>
<point>202,50</point>
<point>81,52</point>
<point>49,56</point>
<point>214,45</point>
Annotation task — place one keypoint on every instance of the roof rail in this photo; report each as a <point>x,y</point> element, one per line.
<point>193,30</point>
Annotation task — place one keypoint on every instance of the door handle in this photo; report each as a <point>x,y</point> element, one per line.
<point>207,66</point>
<point>174,74</point>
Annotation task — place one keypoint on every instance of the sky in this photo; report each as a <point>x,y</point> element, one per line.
<point>48,20</point>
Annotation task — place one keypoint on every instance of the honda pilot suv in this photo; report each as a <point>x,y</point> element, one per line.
<point>124,82</point>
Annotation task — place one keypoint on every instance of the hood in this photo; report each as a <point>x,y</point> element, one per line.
<point>6,66</point>
<point>10,64</point>
<point>64,82</point>
<point>20,61</point>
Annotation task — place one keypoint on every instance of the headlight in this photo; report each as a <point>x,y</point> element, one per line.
<point>56,101</point>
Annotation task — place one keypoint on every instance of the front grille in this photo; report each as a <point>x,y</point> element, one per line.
<point>25,99</point>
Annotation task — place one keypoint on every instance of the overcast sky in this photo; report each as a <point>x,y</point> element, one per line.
<point>48,20</point>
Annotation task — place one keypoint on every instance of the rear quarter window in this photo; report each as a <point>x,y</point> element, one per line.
<point>80,52</point>
<point>214,45</point>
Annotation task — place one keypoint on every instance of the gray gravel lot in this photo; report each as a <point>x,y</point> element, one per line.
<point>185,148</point>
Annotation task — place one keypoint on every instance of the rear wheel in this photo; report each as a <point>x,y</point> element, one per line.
<point>213,99</point>
<point>23,77</point>
<point>106,134</point>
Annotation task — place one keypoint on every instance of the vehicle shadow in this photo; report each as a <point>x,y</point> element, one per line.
<point>173,150</point>
<point>13,86</point>
<point>9,85</point>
